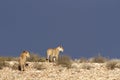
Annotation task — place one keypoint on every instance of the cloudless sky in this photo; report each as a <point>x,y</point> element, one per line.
<point>84,28</point>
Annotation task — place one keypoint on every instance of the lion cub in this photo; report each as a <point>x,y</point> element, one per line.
<point>53,53</point>
<point>22,60</point>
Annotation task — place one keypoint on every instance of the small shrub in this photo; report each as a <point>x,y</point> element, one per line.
<point>39,66</point>
<point>8,59</point>
<point>15,66</point>
<point>98,59</point>
<point>83,60</point>
<point>65,61</point>
<point>34,58</point>
<point>2,59</point>
<point>87,66</point>
<point>42,59</point>
<point>111,64</point>
<point>3,64</point>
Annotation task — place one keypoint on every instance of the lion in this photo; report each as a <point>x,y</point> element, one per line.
<point>53,53</point>
<point>22,60</point>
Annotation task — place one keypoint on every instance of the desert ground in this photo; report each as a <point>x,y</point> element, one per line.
<point>52,71</point>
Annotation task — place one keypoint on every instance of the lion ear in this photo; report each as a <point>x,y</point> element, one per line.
<point>24,51</point>
<point>61,45</point>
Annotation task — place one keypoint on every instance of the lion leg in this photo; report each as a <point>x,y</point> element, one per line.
<point>56,58</point>
<point>21,67</point>
<point>53,59</point>
<point>24,67</point>
<point>48,58</point>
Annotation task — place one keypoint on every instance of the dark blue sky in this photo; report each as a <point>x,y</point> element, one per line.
<point>84,27</point>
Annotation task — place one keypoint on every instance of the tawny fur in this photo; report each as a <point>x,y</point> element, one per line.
<point>22,60</point>
<point>54,53</point>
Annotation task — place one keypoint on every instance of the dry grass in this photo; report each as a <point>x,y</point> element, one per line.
<point>51,71</point>
<point>36,58</point>
<point>42,59</point>
<point>65,61</point>
<point>2,64</point>
<point>87,66</point>
<point>83,60</point>
<point>98,59</point>
<point>15,66</point>
<point>112,64</point>
<point>39,66</point>
<point>8,58</point>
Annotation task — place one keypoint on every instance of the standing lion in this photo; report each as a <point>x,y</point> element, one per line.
<point>22,60</point>
<point>53,53</point>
